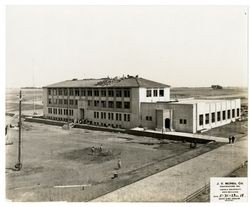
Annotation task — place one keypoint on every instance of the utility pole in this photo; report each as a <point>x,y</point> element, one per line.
<point>68,109</point>
<point>18,166</point>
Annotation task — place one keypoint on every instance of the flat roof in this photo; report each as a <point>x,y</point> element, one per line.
<point>195,101</point>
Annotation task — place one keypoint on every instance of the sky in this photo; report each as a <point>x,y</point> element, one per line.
<point>176,45</point>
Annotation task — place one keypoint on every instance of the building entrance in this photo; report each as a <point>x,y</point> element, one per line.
<point>167,123</point>
<point>81,113</point>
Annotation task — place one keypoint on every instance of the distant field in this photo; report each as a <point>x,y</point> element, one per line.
<point>209,93</point>
<point>12,100</point>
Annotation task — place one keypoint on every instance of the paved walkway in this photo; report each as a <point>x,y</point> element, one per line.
<point>184,134</point>
<point>178,182</point>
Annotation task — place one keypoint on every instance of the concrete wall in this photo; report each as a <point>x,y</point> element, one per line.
<point>217,106</point>
<point>148,109</point>
<point>143,95</point>
<point>45,102</point>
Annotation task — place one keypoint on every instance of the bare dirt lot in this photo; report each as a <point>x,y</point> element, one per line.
<point>55,157</point>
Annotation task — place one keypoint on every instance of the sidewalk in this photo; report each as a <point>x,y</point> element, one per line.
<point>184,134</point>
<point>178,182</point>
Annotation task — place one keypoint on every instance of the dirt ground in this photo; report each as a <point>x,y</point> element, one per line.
<point>54,157</point>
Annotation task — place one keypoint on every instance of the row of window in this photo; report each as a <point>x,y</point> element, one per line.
<point>183,121</point>
<point>111,116</point>
<point>154,92</point>
<point>109,104</point>
<point>90,92</point>
<point>63,102</point>
<point>220,116</point>
<point>69,112</point>
<point>149,118</point>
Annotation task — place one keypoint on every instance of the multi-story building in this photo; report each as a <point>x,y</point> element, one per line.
<point>105,102</point>
<point>134,102</point>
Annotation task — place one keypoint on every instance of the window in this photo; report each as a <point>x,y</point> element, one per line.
<point>96,103</point>
<point>60,101</point>
<point>55,101</point>
<point>71,92</point>
<point>103,104</point>
<point>49,91</point>
<point>50,110</point>
<point>60,111</point>
<point>125,117</point>
<point>71,102</point>
<point>110,93</point>
<point>118,104</point>
<point>65,102</point>
<point>65,91</point>
<point>149,118</point>
<point>155,92</point>
<point>54,92</point>
<point>184,121</point>
<point>149,93</point>
<point>76,102</point>
<point>103,93</point>
<point>112,116</point>
<point>96,92</point>
<point>111,104</point>
<point>82,92</point>
<point>77,92</point>
<point>181,121</point>
<point>104,115</point>
<point>65,112</point>
<point>128,117</point>
<point>118,93</point>
<point>109,116</point>
<point>161,92</point>
<point>238,112</point>
<point>54,111</point>
<point>127,105</point>
<point>126,93</point>
<point>60,92</point>
<point>97,115</point>
<point>228,114</point>
<point>233,113</point>
<point>213,117</point>
<point>206,118</point>
<point>116,117</point>
<point>50,101</point>
<point>120,117</point>
<point>89,103</point>
<point>89,92</point>
<point>218,116</point>
<point>223,115</point>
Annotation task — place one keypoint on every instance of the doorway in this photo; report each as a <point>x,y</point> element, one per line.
<point>167,123</point>
<point>81,113</point>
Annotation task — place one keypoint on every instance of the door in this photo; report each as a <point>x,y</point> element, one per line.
<point>167,123</point>
<point>82,113</point>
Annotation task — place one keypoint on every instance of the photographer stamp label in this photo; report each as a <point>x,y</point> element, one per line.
<point>228,189</point>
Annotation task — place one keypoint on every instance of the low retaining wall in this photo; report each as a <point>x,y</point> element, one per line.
<point>167,136</point>
<point>45,121</point>
<point>127,131</point>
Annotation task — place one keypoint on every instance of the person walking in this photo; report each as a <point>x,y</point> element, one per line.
<point>233,139</point>
<point>100,148</point>
<point>119,163</point>
<point>230,139</point>
<point>93,150</point>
